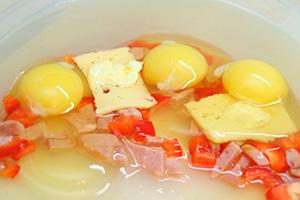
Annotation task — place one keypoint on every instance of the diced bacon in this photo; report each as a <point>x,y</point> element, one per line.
<point>292,158</point>
<point>130,112</point>
<point>34,132</point>
<point>106,145</point>
<point>174,166</point>
<point>84,120</point>
<point>227,157</point>
<point>295,172</point>
<point>61,143</point>
<point>11,127</point>
<point>151,159</point>
<point>139,52</point>
<point>254,154</point>
<point>103,122</point>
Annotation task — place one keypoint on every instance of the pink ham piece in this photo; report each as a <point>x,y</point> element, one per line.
<point>35,131</point>
<point>153,141</point>
<point>130,112</point>
<point>150,158</point>
<point>295,172</point>
<point>106,145</point>
<point>84,120</point>
<point>293,158</point>
<point>174,166</point>
<point>226,159</point>
<point>61,143</point>
<point>11,127</point>
<point>254,154</point>
<point>103,122</point>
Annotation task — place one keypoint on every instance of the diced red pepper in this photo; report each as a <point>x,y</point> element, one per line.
<point>123,125</point>
<point>11,103</point>
<point>143,128</point>
<point>145,113</point>
<point>23,115</point>
<point>199,144</point>
<point>10,170</point>
<point>161,99</point>
<point>13,147</point>
<point>85,101</point>
<point>292,141</point>
<point>142,43</point>
<point>69,59</point>
<point>200,93</point>
<point>279,193</point>
<point>27,150</point>
<point>275,154</point>
<point>266,176</point>
<point>172,148</point>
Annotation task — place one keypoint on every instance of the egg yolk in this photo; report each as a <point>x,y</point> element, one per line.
<point>254,81</point>
<point>174,67</point>
<point>51,89</point>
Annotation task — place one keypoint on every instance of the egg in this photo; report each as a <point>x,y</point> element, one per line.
<point>51,89</point>
<point>174,66</point>
<point>254,81</point>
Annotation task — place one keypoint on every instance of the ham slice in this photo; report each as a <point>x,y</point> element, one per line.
<point>293,158</point>
<point>150,158</point>
<point>174,166</point>
<point>295,172</point>
<point>106,145</point>
<point>84,120</point>
<point>227,158</point>
<point>61,143</point>
<point>254,154</point>
<point>11,127</point>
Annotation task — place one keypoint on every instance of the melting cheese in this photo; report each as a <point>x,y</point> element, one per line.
<point>223,119</point>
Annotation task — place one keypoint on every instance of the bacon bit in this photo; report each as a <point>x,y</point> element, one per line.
<point>84,120</point>
<point>11,127</point>
<point>61,143</point>
<point>255,155</point>
<point>139,52</point>
<point>142,43</point>
<point>172,148</point>
<point>69,59</point>
<point>30,147</point>
<point>154,141</point>
<point>207,91</point>
<point>23,115</point>
<point>10,146</point>
<point>292,141</point>
<point>85,101</point>
<point>35,132</point>
<point>288,191</point>
<point>292,158</point>
<point>275,154</point>
<point>9,170</point>
<point>264,175</point>
<point>11,103</point>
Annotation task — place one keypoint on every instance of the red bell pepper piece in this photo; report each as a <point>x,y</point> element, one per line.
<point>275,154</point>
<point>287,191</point>
<point>172,148</point>
<point>85,101</point>
<point>200,93</point>
<point>13,147</point>
<point>69,58</point>
<point>142,43</point>
<point>11,103</point>
<point>30,147</point>
<point>161,99</point>
<point>201,152</point>
<point>23,115</point>
<point>266,176</point>
<point>10,170</point>
<point>292,141</point>
<point>143,128</point>
<point>145,113</point>
<point>123,125</point>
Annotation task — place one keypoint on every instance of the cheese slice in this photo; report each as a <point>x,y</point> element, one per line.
<point>110,97</point>
<point>223,118</point>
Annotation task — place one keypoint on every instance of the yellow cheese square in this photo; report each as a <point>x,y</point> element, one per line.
<point>223,119</point>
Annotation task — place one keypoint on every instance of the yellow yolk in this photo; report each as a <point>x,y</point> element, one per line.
<point>174,67</point>
<point>51,89</point>
<point>254,81</point>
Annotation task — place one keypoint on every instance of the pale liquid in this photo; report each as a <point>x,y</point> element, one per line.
<point>73,174</point>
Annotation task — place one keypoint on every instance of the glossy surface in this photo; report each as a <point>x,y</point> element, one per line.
<point>255,81</point>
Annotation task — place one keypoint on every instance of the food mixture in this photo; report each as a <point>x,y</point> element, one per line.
<point>160,105</point>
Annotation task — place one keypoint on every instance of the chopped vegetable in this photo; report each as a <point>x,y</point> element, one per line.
<point>69,59</point>
<point>172,148</point>
<point>122,125</point>
<point>287,191</point>
<point>9,170</point>
<point>29,148</point>
<point>290,141</point>
<point>275,154</point>
<point>23,115</point>
<point>202,92</point>
<point>142,43</point>
<point>85,101</point>
<point>261,174</point>
<point>10,146</point>
<point>11,103</point>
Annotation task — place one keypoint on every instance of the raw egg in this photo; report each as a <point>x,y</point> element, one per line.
<point>254,81</point>
<point>174,67</point>
<point>51,89</point>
